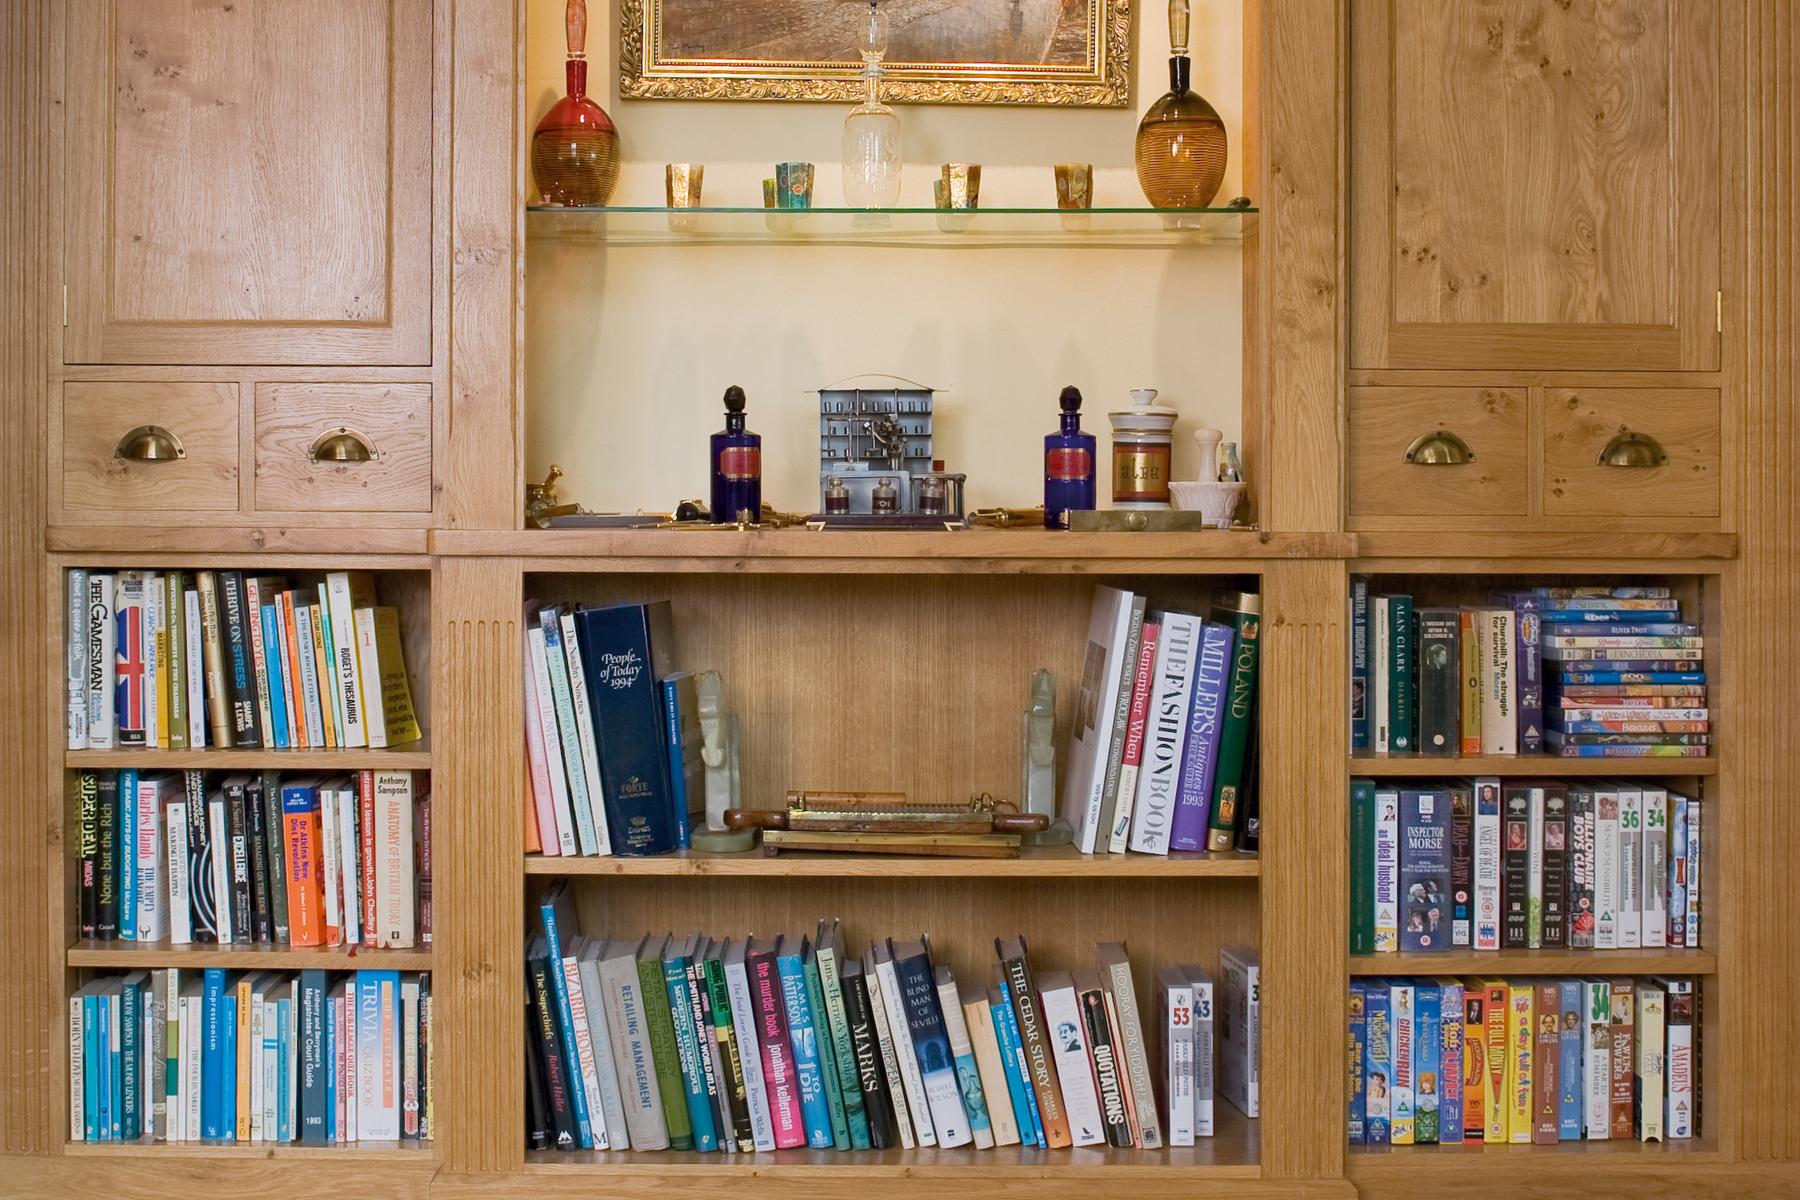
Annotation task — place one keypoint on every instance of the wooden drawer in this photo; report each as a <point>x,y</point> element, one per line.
<point>1579,423</point>
<point>200,417</point>
<point>392,419</point>
<point>1384,421</point>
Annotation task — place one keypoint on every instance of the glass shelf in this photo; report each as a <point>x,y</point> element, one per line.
<point>917,227</point>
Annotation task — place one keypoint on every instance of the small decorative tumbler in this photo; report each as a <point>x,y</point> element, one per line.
<point>682,184</point>
<point>1074,185</point>
<point>793,184</point>
<point>961,186</point>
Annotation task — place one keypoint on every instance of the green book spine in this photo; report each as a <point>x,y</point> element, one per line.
<point>1244,615</point>
<point>849,1083</point>
<point>737,1095</point>
<point>834,1098</point>
<point>1362,866</point>
<point>663,1052</point>
<point>1402,669</point>
<point>175,621</point>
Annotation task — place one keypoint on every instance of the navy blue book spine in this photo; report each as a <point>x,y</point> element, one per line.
<point>624,651</point>
<point>312,1057</point>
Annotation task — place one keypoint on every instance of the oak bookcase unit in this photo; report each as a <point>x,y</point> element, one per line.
<point>1690,326</point>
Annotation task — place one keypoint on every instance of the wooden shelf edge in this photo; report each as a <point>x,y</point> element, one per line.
<point>185,545</point>
<point>1677,961</point>
<point>415,756</point>
<point>1471,550</point>
<point>1033,864</point>
<point>1536,765</point>
<point>129,955</point>
<point>1447,1164</point>
<point>412,1154</point>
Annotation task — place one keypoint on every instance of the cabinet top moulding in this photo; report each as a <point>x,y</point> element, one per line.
<point>1526,765</point>
<point>967,551</point>
<point>1047,863</point>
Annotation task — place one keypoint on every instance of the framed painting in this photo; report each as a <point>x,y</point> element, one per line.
<point>1065,52</point>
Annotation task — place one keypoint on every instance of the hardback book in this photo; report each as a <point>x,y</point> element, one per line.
<point>174,657</point>
<point>1440,682</point>
<point>1570,1035</point>
<point>1137,727</point>
<point>625,649</point>
<point>181,903</point>
<point>1648,1081</point>
<point>627,1020</point>
<point>1653,891</point>
<point>744,1021</point>
<point>556,813</point>
<point>1074,1065</point>
<point>1497,1006</point>
<point>1473,675</point>
<point>1159,778</point>
<point>907,1060</point>
<point>1516,866</point>
<point>815,1110</point>
<point>1451,1052</point>
<point>828,948</point>
<point>1205,1048</point>
<point>1115,976</point>
<point>1120,715</point>
<point>1462,863</point>
<point>978,1020</point>
<point>75,656</point>
<point>700,1088</point>
<point>347,591</point>
<point>379,1080</point>
<point>588,952</point>
<point>556,915</point>
<point>1521,1061</point>
<point>1596,1060</point>
<point>1387,869</point>
<point>1243,612</point>
<point>128,657</point>
<point>1424,870</point>
<point>1402,1094</point>
<point>238,632</point>
<point>1428,1049</point>
<point>1202,741</point>
<point>931,1041</point>
<point>583,799</point>
<point>827,1046</point>
<point>1496,634</point>
<point>1624,1059</point>
<point>1678,1066</point>
<point>1402,669</point>
<point>1554,918</point>
<point>586,1076</point>
<point>155,791</point>
<point>393,869</point>
<point>1014,1062</point>
<point>664,1054</point>
<point>1035,1039</point>
<point>1378,1070</point>
<point>548,1052</point>
<point>1103,667</point>
<point>895,1081</point>
<point>962,1052</point>
<point>1175,1073</point>
<point>1546,1080</point>
<point>865,1045</point>
<point>102,665</point>
<point>1359,664</point>
<point>687,774</point>
<point>1362,866</point>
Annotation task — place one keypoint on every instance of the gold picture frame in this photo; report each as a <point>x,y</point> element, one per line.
<point>648,72</point>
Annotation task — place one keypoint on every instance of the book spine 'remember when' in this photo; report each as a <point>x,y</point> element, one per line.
<point>1244,614</point>
<point>1137,729</point>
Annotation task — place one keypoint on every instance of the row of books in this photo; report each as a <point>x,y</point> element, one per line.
<point>180,660</point>
<point>612,732</point>
<point>251,1058</point>
<point>652,1043</point>
<point>1489,865</point>
<point>255,858</point>
<point>1523,1061</point>
<point>1163,752</point>
<point>1577,672</point>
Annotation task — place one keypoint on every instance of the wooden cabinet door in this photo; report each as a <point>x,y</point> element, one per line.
<point>1535,183</point>
<point>248,182</point>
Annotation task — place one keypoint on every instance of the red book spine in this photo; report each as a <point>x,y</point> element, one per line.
<point>1624,1060</point>
<point>778,1061</point>
<point>365,861</point>
<point>302,732</point>
<point>1140,697</point>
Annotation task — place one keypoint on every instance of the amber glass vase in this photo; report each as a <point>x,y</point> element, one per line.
<point>575,151</point>
<point>1181,143</point>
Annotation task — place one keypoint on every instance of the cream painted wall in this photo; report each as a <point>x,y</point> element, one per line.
<point>629,349</point>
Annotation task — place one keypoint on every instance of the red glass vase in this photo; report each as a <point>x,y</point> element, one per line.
<point>575,150</point>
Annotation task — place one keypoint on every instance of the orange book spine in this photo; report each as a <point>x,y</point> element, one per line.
<point>302,731</point>
<point>532,844</point>
<point>365,864</point>
<point>306,893</point>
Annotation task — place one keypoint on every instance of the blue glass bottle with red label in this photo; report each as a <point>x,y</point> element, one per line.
<point>1068,465</point>
<point>736,465</point>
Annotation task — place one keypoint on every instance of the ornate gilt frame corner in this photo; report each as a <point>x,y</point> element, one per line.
<point>639,79</point>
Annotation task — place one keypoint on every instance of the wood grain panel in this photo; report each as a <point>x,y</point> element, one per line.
<point>394,417</point>
<point>477,886</point>
<point>1495,422</point>
<point>231,199</point>
<point>1305,882</point>
<point>1580,422</point>
<point>203,417</point>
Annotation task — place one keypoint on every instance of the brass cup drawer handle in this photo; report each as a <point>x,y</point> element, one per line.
<point>1440,448</point>
<point>1634,451</point>
<point>150,444</point>
<point>342,445</point>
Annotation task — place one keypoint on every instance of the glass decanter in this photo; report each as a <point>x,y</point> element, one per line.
<point>575,149</point>
<point>1181,144</point>
<point>872,130</point>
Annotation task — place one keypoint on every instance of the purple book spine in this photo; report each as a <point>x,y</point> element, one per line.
<point>1200,758</point>
<point>1528,661</point>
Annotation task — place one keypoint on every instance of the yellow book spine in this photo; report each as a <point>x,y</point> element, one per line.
<point>243,1060</point>
<point>1494,1097</point>
<point>1519,1064</point>
<point>396,692</point>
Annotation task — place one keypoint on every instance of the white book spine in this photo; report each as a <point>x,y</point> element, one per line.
<point>1205,1056</point>
<point>1534,869</point>
<point>584,1050</point>
<point>1678,1075</point>
<point>1693,873</point>
<point>1165,733</point>
<point>1178,1058</point>
<point>1238,1071</point>
<point>1486,866</point>
<point>348,673</point>
<point>154,734</point>
<point>1378,673</point>
<point>101,667</point>
<point>331,694</point>
<point>192,1068</point>
<point>331,865</point>
<point>1074,1070</point>
<point>221,869</point>
<point>1650,1046</point>
<point>309,675</point>
<point>77,1077</point>
<point>349,868</point>
<point>369,667</point>
<point>256,1075</point>
<point>1606,868</point>
<point>563,701</point>
<point>76,655</point>
<point>1631,866</point>
<point>553,753</point>
<point>901,1033</point>
<point>743,1021</point>
<point>1387,870</point>
<point>1499,714</point>
<point>891,1057</point>
<point>196,671</point>
<point>961,1049</point>
<point>395,879</point>
<point>1653,929</point>
<point>612,1104</point>
<point>626,1021</point>
<point>584,726</point>
<point>271,1071</point>
<point>181,904</point>
<point>152,884</point>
